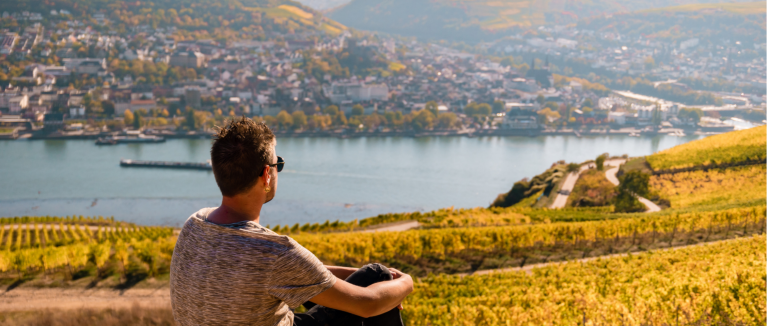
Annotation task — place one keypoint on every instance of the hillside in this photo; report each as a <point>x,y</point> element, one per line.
<point>727,148</point>
<point>229,19</point>
<point>722,22</point>
<point>479,19</point>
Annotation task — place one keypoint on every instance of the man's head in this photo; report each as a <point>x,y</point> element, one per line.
<point>241,153</point>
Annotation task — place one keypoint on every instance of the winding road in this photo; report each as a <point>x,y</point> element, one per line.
<point>610,174</point>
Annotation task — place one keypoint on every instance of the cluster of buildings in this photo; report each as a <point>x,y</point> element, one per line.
<point>265,77</point>
<point>637,56</point>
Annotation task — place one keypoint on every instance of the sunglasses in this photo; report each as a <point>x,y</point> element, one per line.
<point>280,164</point>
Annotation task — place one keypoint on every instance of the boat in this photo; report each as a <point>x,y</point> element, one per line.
<point>634,134</point>
<point>106,141</point>
<point>166,164</point>
<point>577,134</point>
<point>133,138</point>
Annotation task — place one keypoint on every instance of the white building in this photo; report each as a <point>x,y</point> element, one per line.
<point>338,92</point>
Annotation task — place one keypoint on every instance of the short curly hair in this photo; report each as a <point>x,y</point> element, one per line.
<point>239,153</point>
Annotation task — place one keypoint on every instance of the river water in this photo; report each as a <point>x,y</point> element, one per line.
<point>324,178</point>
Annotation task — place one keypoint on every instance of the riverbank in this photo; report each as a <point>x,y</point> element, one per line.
<point>21,133</point>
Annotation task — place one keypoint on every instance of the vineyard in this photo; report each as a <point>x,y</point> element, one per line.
<point>731,147</point>
<point>453,250</point>
<point>717,186</point>
<point>39,244</point>
<point>722,284</point>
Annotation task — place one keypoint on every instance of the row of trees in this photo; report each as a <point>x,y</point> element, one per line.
<point>331,117</point>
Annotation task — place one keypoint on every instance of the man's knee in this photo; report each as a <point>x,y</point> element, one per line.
<point>369,274</point>
<point>378,270</point>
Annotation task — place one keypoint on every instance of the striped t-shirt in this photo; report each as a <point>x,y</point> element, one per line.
<point>240,274</point>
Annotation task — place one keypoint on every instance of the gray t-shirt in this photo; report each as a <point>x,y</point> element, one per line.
<point>240,273</point>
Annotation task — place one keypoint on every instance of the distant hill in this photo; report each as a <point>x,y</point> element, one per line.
<point>475,20</point>
<point>722,22</point>
<point>219,19</point>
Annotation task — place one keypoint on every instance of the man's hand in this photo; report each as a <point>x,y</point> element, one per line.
<point>395,275</point>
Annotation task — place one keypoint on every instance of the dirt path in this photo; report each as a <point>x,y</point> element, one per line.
<point>396,226</point>
<point>56,298</point>
<point>529,268</point>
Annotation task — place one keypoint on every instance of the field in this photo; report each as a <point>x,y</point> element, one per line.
<point>717,186</point>
<point>731,147</point>
<point>720,284</point>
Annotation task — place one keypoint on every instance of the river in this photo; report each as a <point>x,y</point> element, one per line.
<point>324,178</point>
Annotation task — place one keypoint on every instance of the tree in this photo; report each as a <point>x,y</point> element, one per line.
<point>474,109</point>
<point>299,119</point>
<point>447,120</point>
<point>546,115</point>
<point>108,107</point>
<point>499,106</point>
<point>600,162</point>
<point>339,119</point>
<point>358,110</point>
<point>128,117</point>
<point>423,120</point>
<point>657,118</point>
<point>540,99</point>
<point>137,121</point>
<point>330,110</point>
<point>507,61</point>
<point>191,119</point>
<point>433,107</point>
<point>691,114</point>
<point>284,120</point>
<point>649,63</point>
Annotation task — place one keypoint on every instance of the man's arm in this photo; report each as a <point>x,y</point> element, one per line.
<point>341,272</point>
<point>365,302</point>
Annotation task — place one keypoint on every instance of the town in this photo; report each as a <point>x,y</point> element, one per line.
<point>81,78</point>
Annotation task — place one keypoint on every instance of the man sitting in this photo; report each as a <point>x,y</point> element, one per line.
<point>228,269</point>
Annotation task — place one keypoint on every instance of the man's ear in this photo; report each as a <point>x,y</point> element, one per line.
<point>266,175</point>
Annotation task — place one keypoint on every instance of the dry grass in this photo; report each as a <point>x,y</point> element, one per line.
<point>135,316</point>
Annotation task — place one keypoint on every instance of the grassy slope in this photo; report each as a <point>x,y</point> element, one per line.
<point>729,147</point>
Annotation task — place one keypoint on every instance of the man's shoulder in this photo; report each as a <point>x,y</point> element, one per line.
<point>197,227</point>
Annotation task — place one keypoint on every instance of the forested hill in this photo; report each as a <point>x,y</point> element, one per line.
<point>716,23</point>
<point>207,18</point>
<point>481,19</point>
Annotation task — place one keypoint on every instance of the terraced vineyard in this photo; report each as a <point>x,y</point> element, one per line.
<point>721,284</point>
<point>719,186</point>
<point>453,250</point>
<point>28,247</point>
<point>727,148</point>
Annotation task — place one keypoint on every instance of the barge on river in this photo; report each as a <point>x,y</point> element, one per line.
<point>165,164</point>
<point>130,138</point>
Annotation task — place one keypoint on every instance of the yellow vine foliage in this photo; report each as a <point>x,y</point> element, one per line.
<point>720,186</point>
<point>735,146</point>
<point>722,282</point>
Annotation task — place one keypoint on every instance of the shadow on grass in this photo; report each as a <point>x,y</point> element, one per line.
<point>17,283</point>
<point>131,280</point>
